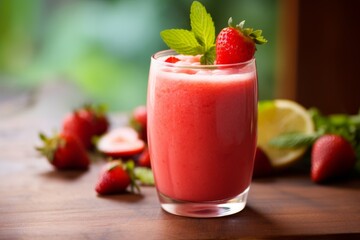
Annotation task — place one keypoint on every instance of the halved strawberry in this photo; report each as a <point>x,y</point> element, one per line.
<point>237,44</point>
<point>121,142</point>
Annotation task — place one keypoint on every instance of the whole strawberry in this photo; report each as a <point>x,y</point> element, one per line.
<point>144,159</point>
<point>64,151</point>
<point>86,123</point>
<point>262,165</point>
<point>332,156</point>
<point>139,121</point>
<point>237,44</point>
<point>115,177</point>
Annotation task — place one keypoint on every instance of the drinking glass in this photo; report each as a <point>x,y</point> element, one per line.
<point>202,128</point>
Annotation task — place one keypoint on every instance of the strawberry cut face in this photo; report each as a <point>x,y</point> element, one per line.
<point>121,142</point>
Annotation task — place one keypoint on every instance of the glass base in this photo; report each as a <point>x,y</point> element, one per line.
<point>211,209</point>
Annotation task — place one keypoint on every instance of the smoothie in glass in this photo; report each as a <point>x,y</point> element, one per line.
<point>201,133</point>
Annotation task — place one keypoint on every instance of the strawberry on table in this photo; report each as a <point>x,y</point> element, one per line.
<point>144,159</point>
<point>332,156</point>
<point>115,177</point>
<point>235,44</point>
<point>101,121</point>
<point>139,121</point>
<point>86,123</point>
<point>64,151</point>
<point>262,164</point>
<point>121,142</point>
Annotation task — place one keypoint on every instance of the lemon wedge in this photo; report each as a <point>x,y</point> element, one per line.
<point>279,117</point>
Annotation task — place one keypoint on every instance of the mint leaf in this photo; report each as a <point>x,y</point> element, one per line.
<point>182,41</point>
<point>209,56</point>
<point>294,140</point>
<point>144,175</point>
<point>202,25</point>
<point>355,120</point>
<point>199,41</point>
<point>340,124</point>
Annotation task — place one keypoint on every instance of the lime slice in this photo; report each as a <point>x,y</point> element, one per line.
<point>278,117</point>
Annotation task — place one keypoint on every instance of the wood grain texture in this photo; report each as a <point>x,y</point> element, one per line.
<point>287,49</point>
<point>37,202</point>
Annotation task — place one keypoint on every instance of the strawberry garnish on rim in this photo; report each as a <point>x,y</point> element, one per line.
<point>236,44</point>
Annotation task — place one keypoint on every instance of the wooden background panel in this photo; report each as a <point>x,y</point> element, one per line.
<point>329,55</point>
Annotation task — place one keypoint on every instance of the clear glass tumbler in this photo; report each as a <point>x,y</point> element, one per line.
<point>202,128</point>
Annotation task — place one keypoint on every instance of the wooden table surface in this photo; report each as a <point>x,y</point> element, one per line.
<point>37,202</point>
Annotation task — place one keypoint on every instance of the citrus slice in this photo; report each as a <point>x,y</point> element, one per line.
<point>279,117</point>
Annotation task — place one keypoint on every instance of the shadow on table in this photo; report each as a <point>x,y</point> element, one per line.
<point>245,224</point>
<point>123,197</point>
<point>68,175</point>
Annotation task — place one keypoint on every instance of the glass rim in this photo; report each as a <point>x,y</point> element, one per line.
<point>169,52</point>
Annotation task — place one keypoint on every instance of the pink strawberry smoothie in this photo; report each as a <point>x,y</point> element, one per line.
<point>202,129</point>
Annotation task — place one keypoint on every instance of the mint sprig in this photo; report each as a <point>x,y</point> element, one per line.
<point>346,126</point>
<point>294,140</point>
<point>199,41</point>
<point>182,41</point>
<point>202,25</point>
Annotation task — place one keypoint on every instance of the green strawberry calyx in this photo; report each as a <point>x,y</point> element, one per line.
<point>50,145</point>
<point>129,168</point>
<point>99,110</point>
<point>254,35</point>
<point>200,40</point>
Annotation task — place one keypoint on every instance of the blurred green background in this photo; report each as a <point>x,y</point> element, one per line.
<point>104,46</point>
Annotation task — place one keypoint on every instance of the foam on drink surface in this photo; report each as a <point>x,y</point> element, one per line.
<point>190,65</point>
